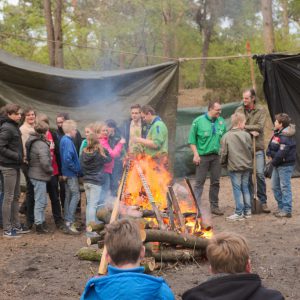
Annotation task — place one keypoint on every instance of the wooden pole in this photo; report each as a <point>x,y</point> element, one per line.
<point>248,48</point>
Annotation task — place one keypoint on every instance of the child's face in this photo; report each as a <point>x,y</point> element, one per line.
<point>242,125</point>
<point>73,132</point>
<point>277,125</point>
<point>104,132</point>
<point>87,131</point>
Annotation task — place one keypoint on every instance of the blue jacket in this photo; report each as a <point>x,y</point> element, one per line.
<point>70,165</point>
<point>127,284</point>
<point>282,149</point>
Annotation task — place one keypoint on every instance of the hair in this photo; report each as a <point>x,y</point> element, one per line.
<point>111,123</point>
<point>41,127</point>
<point>211,104</point>
<point>135,106</point>
<point>63,115</point>
<point>28,109</point>
<point>146,109</point>
<point>42,117</point>
<point>68,126</point>
<point>90,126</point>
<point>123,241</point>
<point>251,90</point>
<point>237,118</point>
<point>94,145</point>
<point>11,108</point>
<point>98,127</point>
<point>228,252</point>
<point>283,119</point>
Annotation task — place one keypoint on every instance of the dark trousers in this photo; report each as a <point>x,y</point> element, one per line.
<point>1,199</point>
<point>52,189</point>
<point>29,197</point>
<point>62,193</point>
<point>208,163</point>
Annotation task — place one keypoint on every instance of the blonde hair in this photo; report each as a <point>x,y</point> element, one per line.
<point>123,241</point>
<point>228,253</point>
<point>68,126</point>
<point>237,118</point>
<point>42,117</point>
<point>94,145</point>
<point>91,126</point>
<point>98,127</point>
<point>41,127</point>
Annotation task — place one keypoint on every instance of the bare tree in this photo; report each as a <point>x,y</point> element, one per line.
<point>285,17</point>
<point>268,29</point>
<point>54,32</point>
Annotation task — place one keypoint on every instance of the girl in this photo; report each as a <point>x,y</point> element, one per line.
<point>87,130</point>
<point>92,160</point>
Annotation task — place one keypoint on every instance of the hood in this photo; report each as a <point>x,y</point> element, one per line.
<point>289,131</point>
<point>4,119</point>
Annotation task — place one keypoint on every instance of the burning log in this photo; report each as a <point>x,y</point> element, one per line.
<point>174,238</point>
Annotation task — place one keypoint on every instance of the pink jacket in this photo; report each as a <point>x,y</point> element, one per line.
<point>116,152</point>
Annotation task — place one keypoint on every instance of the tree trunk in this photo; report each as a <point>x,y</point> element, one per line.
<point>50,32</point>
<point>59,58</point>
<point>285,18</point>
<point>268,30</point>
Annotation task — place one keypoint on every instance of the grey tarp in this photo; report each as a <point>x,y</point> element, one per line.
<point>90,96</point>
<point>183,158</point>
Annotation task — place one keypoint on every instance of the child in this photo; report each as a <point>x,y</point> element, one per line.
<point>70,168</point>
<point>125,278</point>
<point>92,160</point>
<point>39,171</point>
<point>236,155</point>
<point>282,151</point>
<point>87,130</point>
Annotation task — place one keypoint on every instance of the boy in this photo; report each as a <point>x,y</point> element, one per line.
<point>282,151</point>
<point>125,279</point>
<point>236,155</point>
<point>70,168</point>
<point>228,255</point>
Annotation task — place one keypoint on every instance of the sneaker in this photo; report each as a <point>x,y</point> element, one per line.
<point>265,209</point>
<point>235,217</point>
<point>283,214</point>
<point>40,229</point>
<point>22,229</point>
<point>248,214</point>
<point>10,234</point>
<point>71,229</point>
<point>217,211</point>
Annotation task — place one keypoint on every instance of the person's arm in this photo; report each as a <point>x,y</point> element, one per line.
<point>196,158</point>
<point>116,151</point>
<point>44,156</point>
<point>5,138</point>
<point>260,120</point>
<point>68,156</point>
<point>146,142</point>
<point>224,152</point>
<point>192,141</point>
<point>285,144</point>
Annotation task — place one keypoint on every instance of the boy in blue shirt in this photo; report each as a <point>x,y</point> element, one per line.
<point>125,279</point>
<point>70,169</point>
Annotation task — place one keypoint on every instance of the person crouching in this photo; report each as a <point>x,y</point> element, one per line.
<point>39,171</point>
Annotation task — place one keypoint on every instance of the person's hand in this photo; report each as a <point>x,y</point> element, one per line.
<point>196,159</point>
<point>122,141</point>
<point>136,139</point>
<point>254,133</point>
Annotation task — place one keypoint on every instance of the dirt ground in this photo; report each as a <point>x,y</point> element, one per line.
<point>45,267</point>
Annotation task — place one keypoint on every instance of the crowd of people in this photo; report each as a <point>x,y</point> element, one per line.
<point>53,162</point>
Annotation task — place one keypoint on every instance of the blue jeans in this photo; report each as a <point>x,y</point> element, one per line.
<point>260,178</point>
<point>105,189</point>
<point>72,198</point>
<point>92,192</point>
<point>241,194</point>
<point>282,188</point>
<point>40,200</point>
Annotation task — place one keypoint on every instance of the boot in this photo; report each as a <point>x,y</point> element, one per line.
<point>265,209</point>
<point>40,229</point>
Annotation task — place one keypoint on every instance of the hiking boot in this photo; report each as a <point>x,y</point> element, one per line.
<point>40,229</point>
<point>10,234</point>
<point>22,229</point>
<point>248,214</point>
<point>60,224</point>
<point>235,217</point>
<point>217,211</point>
<point>265,209</point>
<point>71,229</point>
<point>283,214</point>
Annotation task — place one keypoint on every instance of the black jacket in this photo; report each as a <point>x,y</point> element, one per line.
<point>92,165</point>
<point>11,148</point>
<point>282,148</point>
<point>232,287</point>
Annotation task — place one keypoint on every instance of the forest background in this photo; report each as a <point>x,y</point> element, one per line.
<point>105,35</point>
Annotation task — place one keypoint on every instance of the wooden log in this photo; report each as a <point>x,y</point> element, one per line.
<point>95,227</point>
<point>170,211</point>
<point>174,238</point>
<point>103,214</point>
<point>169,255</point>
<point>94,240</point>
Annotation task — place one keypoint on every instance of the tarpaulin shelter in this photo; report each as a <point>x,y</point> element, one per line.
<point>90,96</point>
<point>282,89</point>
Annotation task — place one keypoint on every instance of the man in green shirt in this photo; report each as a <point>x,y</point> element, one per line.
<point>204,139</point>
<point>156,141</point>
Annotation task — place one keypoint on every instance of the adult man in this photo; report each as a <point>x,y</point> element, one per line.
<point>134,127</point>
<point>204,139</point>
<point>125,279</point>
<point>228,255</point>
<point>156,142</point>
<point>255,123</point>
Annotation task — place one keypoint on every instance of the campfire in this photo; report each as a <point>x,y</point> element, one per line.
<point>171,224</point>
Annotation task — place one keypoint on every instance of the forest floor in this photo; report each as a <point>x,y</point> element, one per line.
<point>45,267</point>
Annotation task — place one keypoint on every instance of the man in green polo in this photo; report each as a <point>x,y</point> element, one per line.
<point>204,139</point>
<point>156,142</point>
